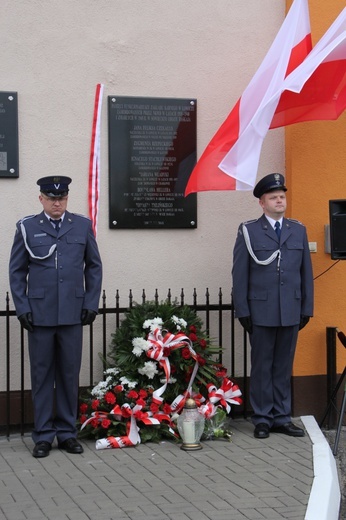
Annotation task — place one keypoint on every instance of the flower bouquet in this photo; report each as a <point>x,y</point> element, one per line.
<point>159,357</point>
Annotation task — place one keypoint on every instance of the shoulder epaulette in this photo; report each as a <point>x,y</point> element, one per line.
<point>80,215</point>
<point>295,221</point>
<point>26,218</point>
<point>249,221</point>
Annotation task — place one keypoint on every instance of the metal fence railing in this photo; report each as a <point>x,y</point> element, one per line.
<point>218,319</point>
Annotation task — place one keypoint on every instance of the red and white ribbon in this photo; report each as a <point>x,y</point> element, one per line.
<point>179,402</point>
<point>208,410</point>
<point>94,163</point>
<point>133,414</point>
<point>229,393</point>
<point>157,351</point>
<point>98,416</point>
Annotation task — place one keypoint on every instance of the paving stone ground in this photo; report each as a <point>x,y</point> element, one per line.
<point>245,479</point>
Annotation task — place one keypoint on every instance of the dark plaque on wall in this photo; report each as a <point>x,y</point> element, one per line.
<point>152,151</point>
<point>9,134</point>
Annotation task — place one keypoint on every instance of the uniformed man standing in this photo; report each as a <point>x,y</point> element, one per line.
<point>273,300</point>
<point>55,279</point>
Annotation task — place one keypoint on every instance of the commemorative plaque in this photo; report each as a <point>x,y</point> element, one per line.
<point>152,152</point>
<point>9,134</point>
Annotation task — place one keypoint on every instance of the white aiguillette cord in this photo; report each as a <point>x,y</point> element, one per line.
<point>50,252</point>
<point>273,256</point>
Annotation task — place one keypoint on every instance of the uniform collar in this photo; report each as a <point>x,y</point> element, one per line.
<point>48,217</point>
<point>272,221</point>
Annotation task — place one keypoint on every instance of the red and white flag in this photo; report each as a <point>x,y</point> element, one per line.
<point>94,163</point>
<point>316,90</point>
<point>230,160</point>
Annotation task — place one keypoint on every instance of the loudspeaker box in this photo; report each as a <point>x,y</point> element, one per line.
<point>337,221</point>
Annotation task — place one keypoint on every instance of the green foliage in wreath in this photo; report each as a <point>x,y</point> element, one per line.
<point>132,378</point>
<point>181,362</point>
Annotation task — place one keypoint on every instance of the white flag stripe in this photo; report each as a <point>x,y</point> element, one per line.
<point>94,166</point>
<point>258,104</point>
<point>329,48</point>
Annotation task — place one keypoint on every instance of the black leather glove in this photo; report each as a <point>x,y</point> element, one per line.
<point>246,323</point>
<point>88,316</point>
<point>304,320</point>
<point>26,321</point>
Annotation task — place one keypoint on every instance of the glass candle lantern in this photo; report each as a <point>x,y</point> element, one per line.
<point>190,426</point>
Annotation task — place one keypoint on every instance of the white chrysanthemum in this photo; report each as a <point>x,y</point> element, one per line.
<point>112,371</point>
<point>137,351</point>
<point>179,322</point>
<point>124,381</point>
<point>149,369</point>
<point>153,324</point>
<point>100,389</point>
<point>140,345</point>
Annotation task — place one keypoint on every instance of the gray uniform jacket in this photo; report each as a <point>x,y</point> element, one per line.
<point>55,289</point>
<point>273,295</point>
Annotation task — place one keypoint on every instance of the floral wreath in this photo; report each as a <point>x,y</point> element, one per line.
<point>159,357</point>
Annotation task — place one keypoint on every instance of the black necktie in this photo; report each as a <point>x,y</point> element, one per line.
<point>56,223</point>
<point>278,229</point>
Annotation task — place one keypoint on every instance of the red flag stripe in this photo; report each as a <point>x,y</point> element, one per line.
<point>316,90</point>
<point>318,100</point>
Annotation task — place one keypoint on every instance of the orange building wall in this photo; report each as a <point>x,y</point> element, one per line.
<point>316,173</point>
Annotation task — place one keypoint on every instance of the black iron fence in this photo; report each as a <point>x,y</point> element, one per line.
<point>219,323</point>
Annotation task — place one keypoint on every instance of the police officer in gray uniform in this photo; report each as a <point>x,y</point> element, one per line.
<point>273,300</point>
<point>55,278</point>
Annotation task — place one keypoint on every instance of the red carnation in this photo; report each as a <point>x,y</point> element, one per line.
<point>192,328</point>
<point>94,423</point>
<point>110,398</point>
<point>95,404</point>
<point>154,407</point>
<point>141,402</point>
<point>132,394</point>
<point>83,418</point>
<point>222,372</point>
<point>117,389</point>
<point>83,408</point>
<point>193,337</point>
<point>185,352</point>
<point>140,415</point>
<point>143,394</point>
<point>201,361</point>
<point>105,423</point>
<point>203,344</point>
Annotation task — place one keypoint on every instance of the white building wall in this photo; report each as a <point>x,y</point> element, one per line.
<point>53,53</point>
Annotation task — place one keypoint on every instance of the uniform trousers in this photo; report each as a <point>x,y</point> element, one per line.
<point>272,354</point>
<point>55,361</point>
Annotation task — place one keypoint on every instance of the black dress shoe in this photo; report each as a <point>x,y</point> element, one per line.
<point>71,446</point>
<point>289,429</point>
<point>41,449</point>
<point>261,431</point>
